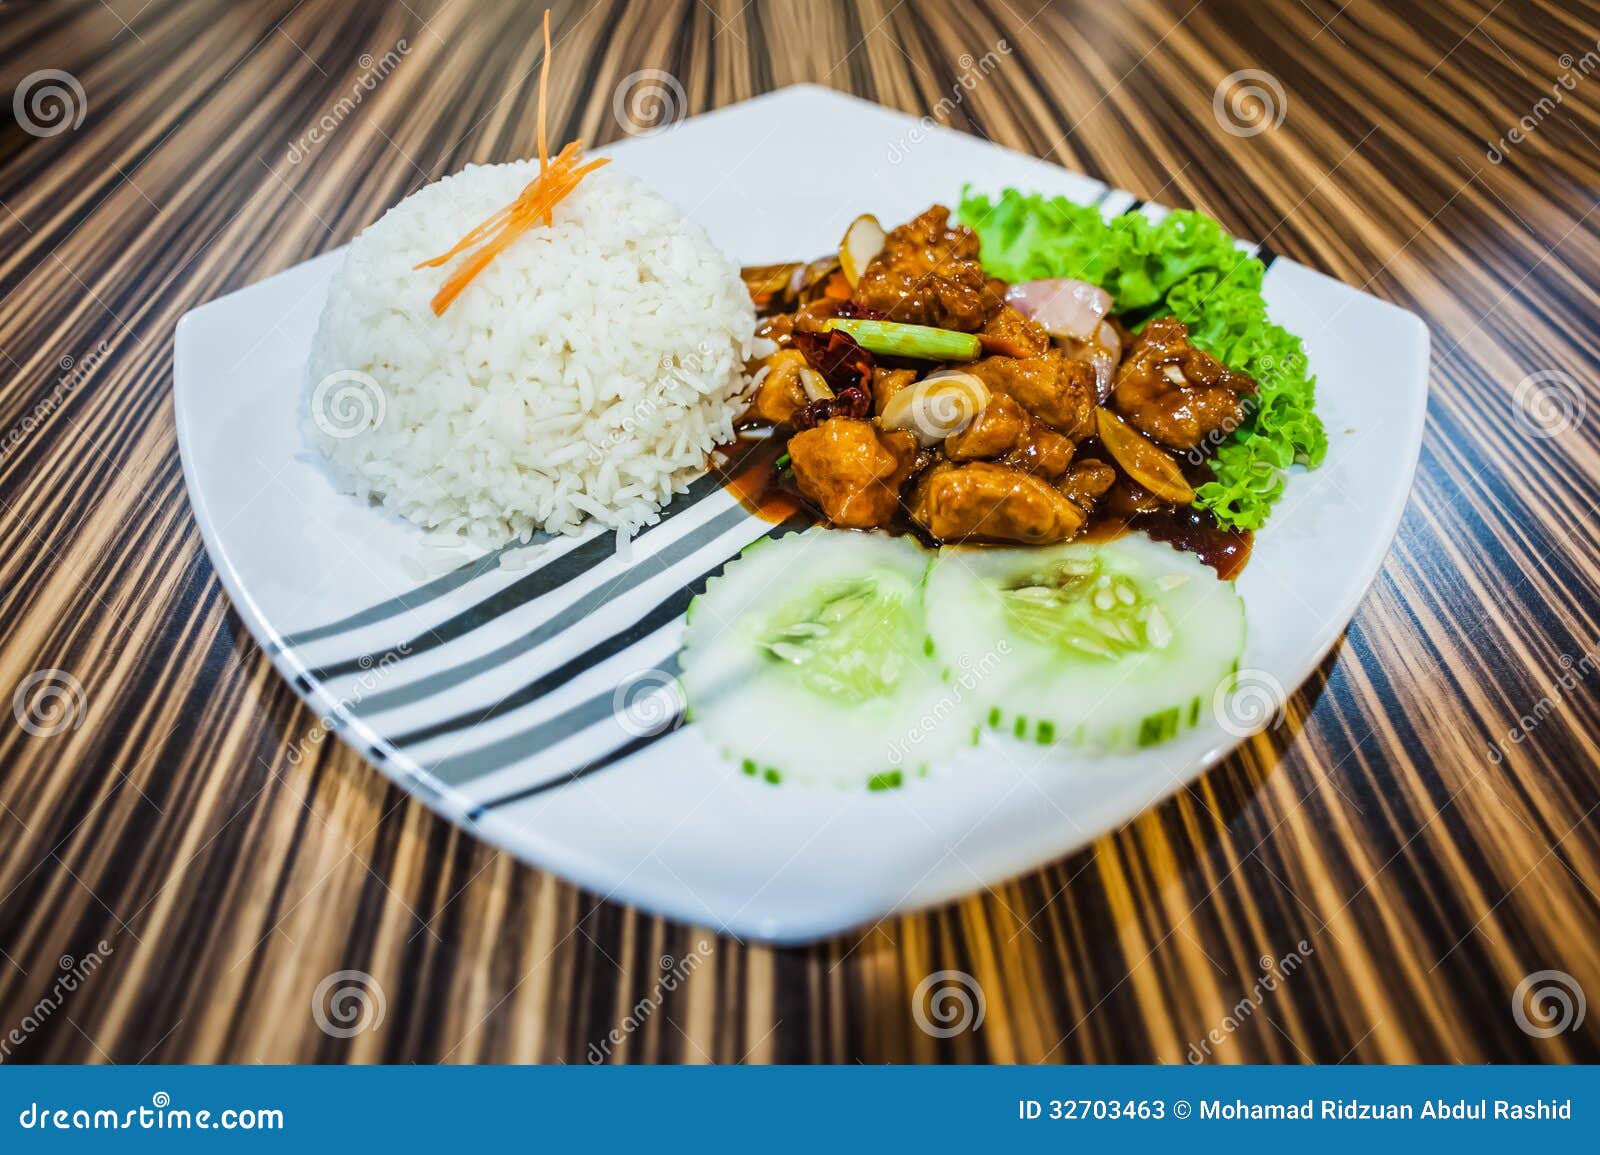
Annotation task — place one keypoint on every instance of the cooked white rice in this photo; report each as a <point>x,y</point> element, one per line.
<point>585,373</point>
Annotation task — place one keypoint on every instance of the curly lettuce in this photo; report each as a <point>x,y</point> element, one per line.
<point>1185,265</point>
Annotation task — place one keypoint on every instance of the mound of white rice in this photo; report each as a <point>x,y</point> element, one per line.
<point>585,373</point>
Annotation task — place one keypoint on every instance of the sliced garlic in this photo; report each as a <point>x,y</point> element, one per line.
<point>863,241</point>
<point>940,405</point>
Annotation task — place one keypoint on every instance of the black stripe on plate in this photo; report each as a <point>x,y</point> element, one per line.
<point>669,609</point>
<point>552,626</point>
<point>460,768</point>
<point>1266,256</point>
<point>701,488</point>
<point>410,600</point>
<point>547,579</point>
<point>604,762</point>
<point>1134,207</point>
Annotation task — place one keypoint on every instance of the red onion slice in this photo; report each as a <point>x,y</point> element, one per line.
<point>1105,376</point>
<point>1105,355</point>
<point>1066,308</point>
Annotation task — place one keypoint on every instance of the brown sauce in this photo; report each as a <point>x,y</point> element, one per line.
<point>749,470</point>
<point>749,467</point>
<point>1191,530</point>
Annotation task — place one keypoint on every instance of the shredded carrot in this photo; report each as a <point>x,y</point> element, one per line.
<point>536,203</point>
<point>544,84</point>
<point>569,156</point>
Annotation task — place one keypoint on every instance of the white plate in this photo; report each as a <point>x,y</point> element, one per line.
<point>329,586</point>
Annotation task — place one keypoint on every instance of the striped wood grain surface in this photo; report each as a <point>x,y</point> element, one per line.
<point>216,882</point>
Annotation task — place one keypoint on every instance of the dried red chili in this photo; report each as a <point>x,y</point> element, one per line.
<point>852,402</point>
<point>835,354</point>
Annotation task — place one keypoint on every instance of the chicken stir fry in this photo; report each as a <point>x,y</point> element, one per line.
<point>918,393</point>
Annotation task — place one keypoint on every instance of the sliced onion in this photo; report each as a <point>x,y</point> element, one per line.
<point>1105,376</point>
<point>815,385</point>
<point>1066,308</point>
<point>863,241</point>
<point>1110,340</point>
<point>1104,353</point>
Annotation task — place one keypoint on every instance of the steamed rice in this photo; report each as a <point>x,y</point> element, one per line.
<point>587,372</point>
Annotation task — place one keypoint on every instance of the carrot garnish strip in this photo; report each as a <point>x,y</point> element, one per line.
<point>536,203</point>
<point>544,84</point>
<point>469,240</point>
<point>569,156</point>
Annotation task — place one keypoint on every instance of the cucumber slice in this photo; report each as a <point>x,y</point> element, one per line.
<point>1112,646</point>
<point>809,658</point>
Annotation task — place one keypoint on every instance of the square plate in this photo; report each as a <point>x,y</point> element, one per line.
<point>490,691</point>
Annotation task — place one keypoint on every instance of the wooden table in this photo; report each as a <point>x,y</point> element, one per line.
<point>1416,854</point>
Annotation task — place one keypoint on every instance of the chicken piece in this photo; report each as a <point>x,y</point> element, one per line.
<point>928,274</point>
<point>1178,394</point>
<point>1005,432</point>
<point>988,502</point>
<point>852,470</point>
<point>780,394</point>
<point>1087,482</point>
<point>1020,336</point>
<point>993,433</point>
<point>886,383</point>
<point>1051,387</point>
<point>1042,451</point>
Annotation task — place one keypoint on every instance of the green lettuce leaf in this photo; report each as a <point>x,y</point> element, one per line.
<point>1185,265</point>
<point>1026,237</point>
